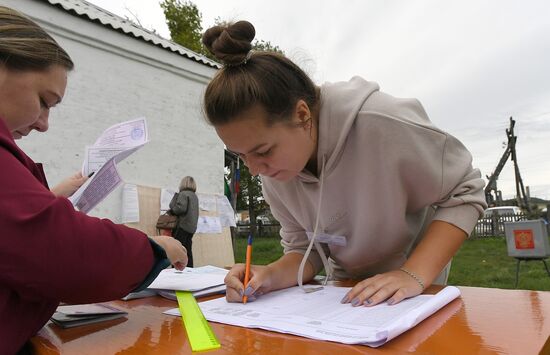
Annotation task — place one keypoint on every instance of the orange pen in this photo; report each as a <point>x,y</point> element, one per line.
<point>247,267</point>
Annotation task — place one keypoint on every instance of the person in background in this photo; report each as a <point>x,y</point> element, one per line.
<point>185,205</point>
<point>363,184</point>
<point>50,253</point>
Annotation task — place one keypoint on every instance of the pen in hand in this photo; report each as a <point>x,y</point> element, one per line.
<point>247,267</point>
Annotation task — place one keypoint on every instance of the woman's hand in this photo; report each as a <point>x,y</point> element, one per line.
<point>176,253</point>
<point>393,286</point>
<point>259,283</point>
<point>69,186</point>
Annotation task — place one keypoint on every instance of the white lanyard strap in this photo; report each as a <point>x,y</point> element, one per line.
<point>328,269</point>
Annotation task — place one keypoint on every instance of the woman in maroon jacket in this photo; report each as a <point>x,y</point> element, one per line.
<point>48,251</point>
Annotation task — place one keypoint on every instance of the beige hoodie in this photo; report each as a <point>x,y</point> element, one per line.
<point>388,173</point>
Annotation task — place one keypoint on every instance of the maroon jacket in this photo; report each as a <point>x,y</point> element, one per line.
<point>50,253</point>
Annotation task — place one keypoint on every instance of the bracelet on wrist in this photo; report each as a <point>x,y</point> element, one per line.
<point>414,276</point>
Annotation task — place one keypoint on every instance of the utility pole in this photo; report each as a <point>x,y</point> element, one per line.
<point>491,188</point>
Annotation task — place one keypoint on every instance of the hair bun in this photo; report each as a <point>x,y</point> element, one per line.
<point>230,44</point>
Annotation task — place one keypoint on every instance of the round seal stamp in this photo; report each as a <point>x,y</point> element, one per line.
<point>136,133</point>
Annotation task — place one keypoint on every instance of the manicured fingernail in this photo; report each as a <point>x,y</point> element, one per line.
<point>367,302</point>
<point>345,299</point>
<point>355,302</point>
<point>249,290</point>
<point>241,293</point>
<point>390,301</point>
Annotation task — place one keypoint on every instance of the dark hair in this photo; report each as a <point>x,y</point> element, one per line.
<point>251,77</point>
<point>24,45</point>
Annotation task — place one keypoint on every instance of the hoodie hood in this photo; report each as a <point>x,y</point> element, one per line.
<point>340,103</point>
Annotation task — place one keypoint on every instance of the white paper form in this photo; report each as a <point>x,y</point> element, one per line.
<point>97,188</point>
<point>209,225</point>
<point>113,146</point>
<point>320,315</point>
<point>225,211</point>
<point>130,204</point>
<point>187,280</point>
<point>113,141</point>
<point>170,294</point>
<point>166,196</point>
<point>207,202</point>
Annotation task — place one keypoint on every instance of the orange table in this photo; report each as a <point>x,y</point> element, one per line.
<point>481,321</point>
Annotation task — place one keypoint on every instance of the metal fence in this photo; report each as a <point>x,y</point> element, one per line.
<point>485,227</point>
<point>494,226</point>
<point>263,229</point>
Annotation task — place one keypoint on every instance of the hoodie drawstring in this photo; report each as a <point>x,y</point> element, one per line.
<point>318,247</point>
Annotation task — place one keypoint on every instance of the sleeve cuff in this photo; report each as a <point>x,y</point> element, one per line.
<point>463,216</point>
<point>160,263</point>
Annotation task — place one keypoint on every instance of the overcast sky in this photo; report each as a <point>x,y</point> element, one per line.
<point>472,64</point>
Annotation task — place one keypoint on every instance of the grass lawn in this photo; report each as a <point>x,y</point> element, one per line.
<point>480,262</point>
<point>485,263</point>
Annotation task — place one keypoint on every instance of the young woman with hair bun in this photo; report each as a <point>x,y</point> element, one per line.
<point>363,184</point>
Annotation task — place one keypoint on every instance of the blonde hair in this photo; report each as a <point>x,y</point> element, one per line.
<point>188,183</point>
<point>25,46</point>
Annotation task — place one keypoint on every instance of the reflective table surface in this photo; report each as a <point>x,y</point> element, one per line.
<point>480,321</point>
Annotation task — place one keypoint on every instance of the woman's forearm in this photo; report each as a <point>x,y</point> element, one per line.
<point>284,271</point>
<point>440,243</point>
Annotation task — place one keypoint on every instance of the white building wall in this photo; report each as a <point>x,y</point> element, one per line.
<point>117,78</point>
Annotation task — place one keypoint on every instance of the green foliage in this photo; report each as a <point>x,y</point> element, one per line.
<point>184,22</point>
<point>251,190</point>
<point>266,250</point>
<point>261,45</point>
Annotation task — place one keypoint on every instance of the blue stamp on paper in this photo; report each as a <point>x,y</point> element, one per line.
<point>136,133</point>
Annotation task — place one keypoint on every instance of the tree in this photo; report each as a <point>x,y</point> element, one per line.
<point>250,197</point>
<point>184,22</point>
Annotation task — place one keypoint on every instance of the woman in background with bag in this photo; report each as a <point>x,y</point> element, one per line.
<point>166,223</point>
<point>185,205</point>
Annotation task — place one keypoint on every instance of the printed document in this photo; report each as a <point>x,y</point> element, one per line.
<point>225,212</point>
<point>130,204</point>
<point>189,279</point>
<point>209,225</point>
<point>166,196</point>
<point>113,146</point>
<point>320,315</point>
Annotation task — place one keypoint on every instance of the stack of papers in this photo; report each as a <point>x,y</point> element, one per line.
<point>201,281</point>
<point>113,146</point>
<point>320,315</point>
<point>74,315</point>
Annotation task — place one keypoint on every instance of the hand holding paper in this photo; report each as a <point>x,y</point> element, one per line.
<point>113,146</point>
<point>68,186</point>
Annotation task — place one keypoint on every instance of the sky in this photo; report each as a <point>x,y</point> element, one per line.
<point>472,64</point>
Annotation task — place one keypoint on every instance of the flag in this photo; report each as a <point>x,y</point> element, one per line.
<point>226,189</point>
<point>238,178</point>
